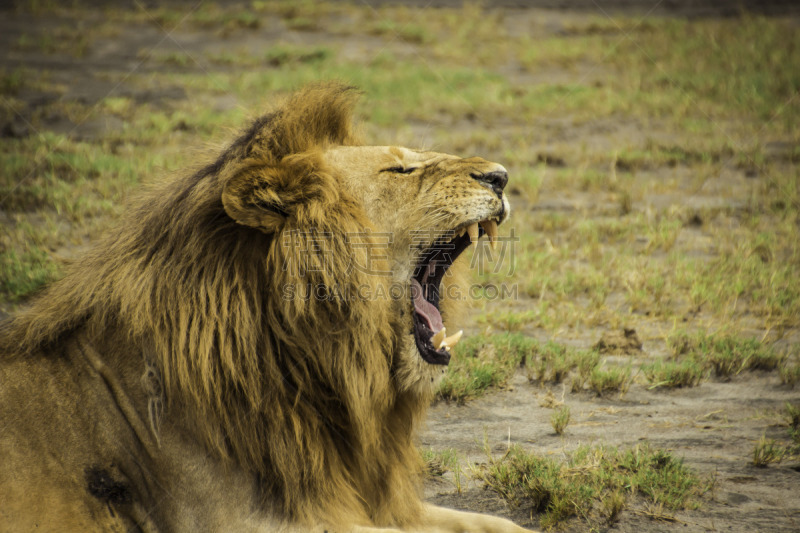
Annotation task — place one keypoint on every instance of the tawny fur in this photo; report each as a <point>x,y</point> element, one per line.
<point>303,393</point>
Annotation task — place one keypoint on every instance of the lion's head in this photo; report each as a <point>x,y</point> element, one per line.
<point>290,296</point>
<point>414,211</point>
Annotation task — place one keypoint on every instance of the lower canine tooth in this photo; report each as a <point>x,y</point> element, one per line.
<point>452,340</point>
<point>438,339</point>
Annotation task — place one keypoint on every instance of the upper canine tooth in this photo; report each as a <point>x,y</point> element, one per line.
<point>472,229</point>
<point>490,227</point>
<point>438,339</point>
<point>452,340</point>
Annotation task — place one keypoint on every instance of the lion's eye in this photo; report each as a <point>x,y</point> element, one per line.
<point>400,170</point>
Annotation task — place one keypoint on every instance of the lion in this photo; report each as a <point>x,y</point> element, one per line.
<point>254,346</point>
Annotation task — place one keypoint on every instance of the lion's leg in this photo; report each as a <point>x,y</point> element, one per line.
<point>452,521</point>
<point>363,529</point>
<point>442,520</point>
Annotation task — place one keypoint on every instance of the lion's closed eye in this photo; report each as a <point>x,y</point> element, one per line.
<point>400,170</point>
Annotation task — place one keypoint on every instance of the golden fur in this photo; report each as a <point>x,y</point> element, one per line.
<point>183,313</point>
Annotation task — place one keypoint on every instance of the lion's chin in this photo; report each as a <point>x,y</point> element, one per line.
<point>415,375</point>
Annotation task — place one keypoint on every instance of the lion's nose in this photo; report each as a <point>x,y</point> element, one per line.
<point>496,180</point>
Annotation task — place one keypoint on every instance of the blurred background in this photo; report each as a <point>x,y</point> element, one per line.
<point>654,154</point>
<point>653,146</point>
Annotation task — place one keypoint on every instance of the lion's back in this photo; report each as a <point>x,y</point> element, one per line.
<point>45,442</point>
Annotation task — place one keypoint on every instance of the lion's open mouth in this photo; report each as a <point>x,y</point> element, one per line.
<point>429,332</point>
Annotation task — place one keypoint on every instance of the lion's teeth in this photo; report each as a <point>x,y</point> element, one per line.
<point>472,229</point>
<point>462,231</point>
<point>490,227</point>
<point>438,338</point>
<point>452,340</point>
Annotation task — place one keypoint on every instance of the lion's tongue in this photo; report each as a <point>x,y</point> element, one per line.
<point>425,309</point>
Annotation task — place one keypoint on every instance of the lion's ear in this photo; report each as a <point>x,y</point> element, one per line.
<point>250,198</point>
<point>264,196</point>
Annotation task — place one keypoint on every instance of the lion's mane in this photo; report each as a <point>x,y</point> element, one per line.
<point>298,391</point>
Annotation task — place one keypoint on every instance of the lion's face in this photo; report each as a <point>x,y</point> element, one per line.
<point>301,173</point>
<point>429,207</point>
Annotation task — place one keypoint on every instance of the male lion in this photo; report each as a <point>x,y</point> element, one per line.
<point>236,355</point>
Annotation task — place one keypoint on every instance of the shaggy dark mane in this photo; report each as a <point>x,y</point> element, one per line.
<point>297,391</point>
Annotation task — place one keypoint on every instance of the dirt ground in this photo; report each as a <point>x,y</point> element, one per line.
<point>714,426</point>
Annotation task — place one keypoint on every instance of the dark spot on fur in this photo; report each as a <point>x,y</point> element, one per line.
<point>102,486</point>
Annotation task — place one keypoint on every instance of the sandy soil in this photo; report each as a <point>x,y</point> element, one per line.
<point>713,426</point>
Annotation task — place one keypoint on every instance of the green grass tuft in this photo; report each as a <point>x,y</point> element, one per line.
<point>593,475</point>
<point>550,362</point>
<point>23,274</point>
<point>284,54</point>
<point>480,362</point>
<point>605,380</point>
<point>726,355</point>
<point>673,374</point>
<point>439,462</point>
<point>790,374</point>
<point>767,451</point>
<point>560,420</point>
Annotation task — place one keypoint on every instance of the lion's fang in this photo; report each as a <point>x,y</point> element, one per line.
<point>438,338</point>
<point>490,228</point>
<point>472,229</point>
<point>452,340</point>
